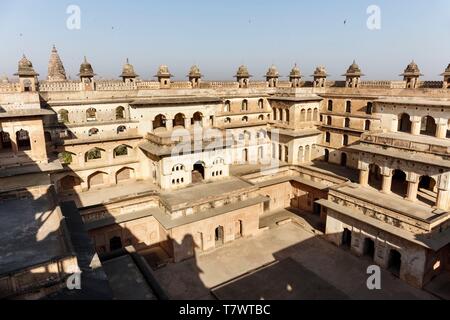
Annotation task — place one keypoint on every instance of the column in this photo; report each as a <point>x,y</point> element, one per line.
<point>13,138</point>
<point>413,187</point>
<point>169,124</point>
<point>187,123</point>
<point>441,128</point>
<point>442,199</point>
<point>386,183</point>
<point>364,177</point>
<point>415,125</point>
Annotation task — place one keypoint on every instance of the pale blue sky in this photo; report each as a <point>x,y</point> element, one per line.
<point>221,35</point>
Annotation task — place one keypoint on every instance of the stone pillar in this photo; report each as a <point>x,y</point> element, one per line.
<point>413,187</point>
<point>169,124</point>
<point>187,123</point>
<point>386,183</point>
<point>14,145</point>
<point>441,128</point>
<point>364,177</point>
<point>415,125</point>
<point>442,199</point>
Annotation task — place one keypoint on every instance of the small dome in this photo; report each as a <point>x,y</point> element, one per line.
<point>243,72</point>
<point>412,70</point>
<point>86,69</point>
<point>353,70</point>
<point>128,70</point>
<point>295,72</point>
<point>25,68</point>
<point>447,71</point>
<point>163,71</point>
<point>194,72</point>
<point>272,72</point>
<point>320,71</point>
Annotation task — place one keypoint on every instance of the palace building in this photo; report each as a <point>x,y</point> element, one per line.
<point>178,167</point>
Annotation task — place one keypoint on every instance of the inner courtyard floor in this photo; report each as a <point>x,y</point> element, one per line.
<point>319,269</point>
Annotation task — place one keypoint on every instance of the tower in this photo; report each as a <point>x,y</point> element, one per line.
<point>243,76</point>
<point>164,76</point>
<point>353,76</point>
<point>411,75</point>
<point>195,76</point>
<point>295,76</point>
<point>86,75</point>
<point>320,77</point>
<point>27,76</point>
<point>272,76</point>
<point>56,71</point>
<point>128,75</point>
<point>446,76</point>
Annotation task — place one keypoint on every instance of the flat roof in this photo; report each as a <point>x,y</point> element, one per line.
<point>296,99</point>
<point>27,237</point>
<point>175,100</point>
<point>25,113</point>
<point>415,101</point>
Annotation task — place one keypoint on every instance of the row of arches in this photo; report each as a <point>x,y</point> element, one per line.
<point>280,114</point>
<point>428,125</point>
<point>347,123</point>
<point>91,115</point>
<point>343,161</point>
<point>244,105</point>
<point>345,138</point>
<point>348,106</point>
<point>179,121</point>
<point>96,179</point>
<point>23,141</point>
<point>306,153</point>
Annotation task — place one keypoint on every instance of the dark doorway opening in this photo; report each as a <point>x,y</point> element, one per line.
<point>198,174</point>
<point>395,262</point>
<point>347,238</point>
<point>238,229</point>
<point>344,159</point>
<point>369,248</point>
<point>327,155</point>
<point>115,243</point>
<point>316,208</point>
<point>399,183</point>
<point>218,233</point>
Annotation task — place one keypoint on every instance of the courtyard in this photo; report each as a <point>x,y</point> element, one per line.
<point>286,261</point>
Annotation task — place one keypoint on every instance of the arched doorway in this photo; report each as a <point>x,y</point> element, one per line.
<point>198,172</point>
<point>347,238</point>
<point>69,183</point>
<point>327,155</point>
<point>159,122</point>
<point>197,119</point>
<point>115,243</point>
<point>399,183</point>
<point>238,229</point>
<point>23,140</point>
<point>427,192</point>
<point>245,155</point>
<point>428,126</point>
<point>395,262</point>
<point>369,248</point>
<point>178,121</point>
<point>219,236</point>
<point>404,123</point>
<point>344,159</point>
<point>375,178</point>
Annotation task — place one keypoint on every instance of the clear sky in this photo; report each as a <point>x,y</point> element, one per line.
<point>220,35</point>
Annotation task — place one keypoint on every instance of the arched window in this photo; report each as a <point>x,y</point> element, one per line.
<point>65,157</point>
<point>303,115</point>
<point>404,123</point>
<point>227,106</point>
<point>23,140</point>
<point>93,131</point>
<point>261,103</point>
<point>120,113</point>
<point>348,107</point>
<point>159,122</point>
<point>121,150</point>
<point>309,115</point>
<point>286,115</point>
<point>245,119</point>
<point>316,115</point>
<point>327,137</point>
<point>347,123</point>
<point>227,120</point>
<point>121,129</point>
<point>93,154</point>
<point>197,118</point>
<point>244,105</point>
<point>329,120</point>
<point>369,108</point>
<point>330,105</point>
<point>261,117</point>
<point>178,121</point>
<point>367,125</point>
<point>63,116</point>
<point>5,141</point>
<point>428,126</point>
<point>91,114</point>
<point>345,140</point>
